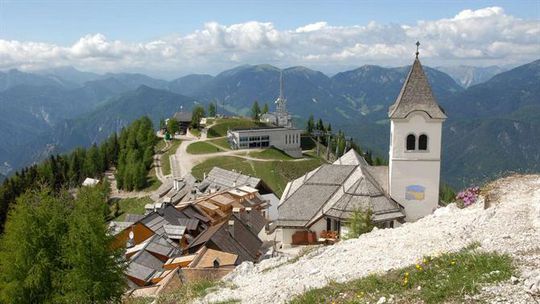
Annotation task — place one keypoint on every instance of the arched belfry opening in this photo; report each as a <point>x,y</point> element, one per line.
<point>422,142</point>
<point>411,142</point>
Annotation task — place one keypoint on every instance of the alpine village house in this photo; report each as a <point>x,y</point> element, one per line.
<point>320,202</point>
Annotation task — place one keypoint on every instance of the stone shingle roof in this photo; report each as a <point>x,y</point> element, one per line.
<point>225,178</point>
<point>416,95</point>
<point>183,116</point>
<point>336,190</point>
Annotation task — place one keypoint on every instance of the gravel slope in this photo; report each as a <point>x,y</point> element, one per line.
<point>511,225</point>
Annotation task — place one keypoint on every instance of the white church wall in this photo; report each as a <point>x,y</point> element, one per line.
<point>415,175</point>
<point>415,185</point>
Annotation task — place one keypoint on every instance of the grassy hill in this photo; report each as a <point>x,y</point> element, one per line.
<point>275,173</point>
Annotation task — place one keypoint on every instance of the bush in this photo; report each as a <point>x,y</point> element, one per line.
<point>359,224</point>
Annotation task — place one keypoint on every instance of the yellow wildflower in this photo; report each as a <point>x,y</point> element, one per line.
<point>418,267</point>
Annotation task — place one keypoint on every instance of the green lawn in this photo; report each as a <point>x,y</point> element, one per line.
<point>195,132</point>
<point>222,142</point>
<point>165,160</point>
<point>220,129</point>
<point>128,205</point>
<point>445,279</point>
<point>203,148</point>
<point>160,145</point>
<point>275,174</point>
<point>152,181</point>
<point>271,153</point>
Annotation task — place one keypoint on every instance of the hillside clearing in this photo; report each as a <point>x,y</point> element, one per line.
<point>511,226</point>
<point>274,173</point>
<point>120,207</point>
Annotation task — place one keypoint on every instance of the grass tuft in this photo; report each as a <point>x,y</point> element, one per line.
<point>447,278</point>
<point>187,292</point>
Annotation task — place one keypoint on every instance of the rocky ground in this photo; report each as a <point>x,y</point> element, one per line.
<point>511,225</point>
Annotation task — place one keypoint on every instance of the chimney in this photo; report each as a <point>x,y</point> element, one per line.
<point>204,176</point>
<point>231,228</point>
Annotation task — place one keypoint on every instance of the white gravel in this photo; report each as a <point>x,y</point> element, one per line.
<point>511,225</point>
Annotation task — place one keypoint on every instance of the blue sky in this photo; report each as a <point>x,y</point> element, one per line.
<point>65,21</point>
<point>178,37</point>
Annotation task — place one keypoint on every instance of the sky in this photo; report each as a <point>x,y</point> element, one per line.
<point>173,38</point>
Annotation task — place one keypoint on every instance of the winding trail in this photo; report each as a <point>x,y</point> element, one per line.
<point>183,162</point>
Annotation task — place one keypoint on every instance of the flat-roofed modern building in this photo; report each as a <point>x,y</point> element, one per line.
<point>282,138</point>
<point>281,134</point>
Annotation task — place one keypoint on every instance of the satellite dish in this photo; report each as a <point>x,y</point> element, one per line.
<point>131,236</point>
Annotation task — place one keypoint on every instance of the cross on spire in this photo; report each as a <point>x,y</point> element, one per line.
<point>417,46</point>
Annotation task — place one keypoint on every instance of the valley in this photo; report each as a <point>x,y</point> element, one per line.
<point>52,115</point>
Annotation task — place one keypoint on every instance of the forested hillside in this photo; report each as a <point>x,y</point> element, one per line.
<point>131,153</point>
<point>355,101</point>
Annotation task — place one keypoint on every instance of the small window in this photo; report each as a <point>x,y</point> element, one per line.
<point>411,142</point>
<point>422,142</point>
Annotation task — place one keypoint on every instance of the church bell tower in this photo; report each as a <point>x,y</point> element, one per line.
<point>415,145</point>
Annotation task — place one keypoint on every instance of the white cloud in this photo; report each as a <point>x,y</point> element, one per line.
<point>480,37</point>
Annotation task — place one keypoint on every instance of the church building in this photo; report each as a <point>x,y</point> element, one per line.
<point>324,199</point>
<point>280,132</point>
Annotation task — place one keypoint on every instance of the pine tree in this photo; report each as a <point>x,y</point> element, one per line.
<point>196,116</point>
<point>212,109</point>
<point>265,108</point>
<point>93,272</point>
<point>31,259</point>
<point>310,124</point>
<point>320,125</point>
<point>255,110</point>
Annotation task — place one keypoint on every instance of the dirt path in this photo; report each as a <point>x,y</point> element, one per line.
<point>182,162</point>
<point>157,163</point>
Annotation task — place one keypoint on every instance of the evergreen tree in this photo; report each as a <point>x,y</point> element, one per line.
<point>31,259</point>
<point>172,126</point>
<point>255,110</point>
<point>359,223</point>
<point>94,273</point>
<point>320,125</point>
<point>212,109</point>
<point>196,116</point>
<point>265,108</point>
<point>310,124</point>
<point>92,162</point>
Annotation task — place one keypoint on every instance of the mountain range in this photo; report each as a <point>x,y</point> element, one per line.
<point>493,126</point>
<point>468,76</point>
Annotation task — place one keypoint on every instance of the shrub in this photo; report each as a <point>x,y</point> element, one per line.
<point>359,224</point>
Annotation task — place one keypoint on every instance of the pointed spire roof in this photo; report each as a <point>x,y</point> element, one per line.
<point>416,95</point>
